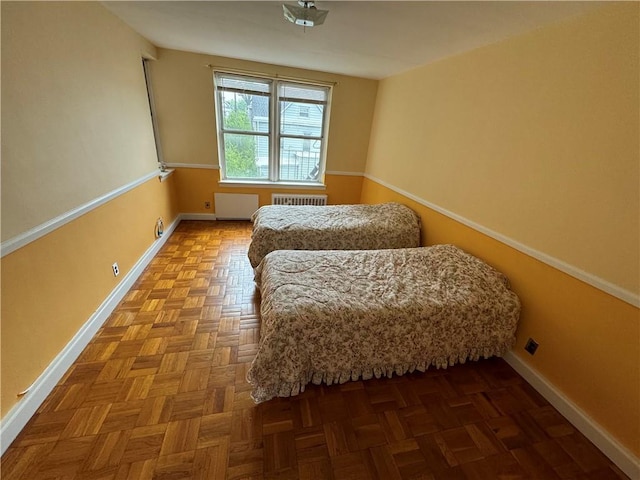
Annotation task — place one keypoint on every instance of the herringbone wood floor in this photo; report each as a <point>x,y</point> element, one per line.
<point>161,393</point>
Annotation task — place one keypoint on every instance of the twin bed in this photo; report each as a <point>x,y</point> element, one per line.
<point>333,227</point>
<point>370,308</point>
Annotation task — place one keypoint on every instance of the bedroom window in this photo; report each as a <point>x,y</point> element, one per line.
<point>262,136</point>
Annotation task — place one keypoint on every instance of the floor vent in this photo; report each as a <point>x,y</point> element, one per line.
<point>282,199</point>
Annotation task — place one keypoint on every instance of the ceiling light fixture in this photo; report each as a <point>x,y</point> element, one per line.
<point>306,14</point>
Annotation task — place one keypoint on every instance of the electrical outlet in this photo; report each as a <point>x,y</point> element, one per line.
<point>531,346</point>
<point>116,269</point>
<point>207,204</point>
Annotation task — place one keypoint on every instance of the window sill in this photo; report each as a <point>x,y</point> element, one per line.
<point>164,174</point>
<point>267,184</point>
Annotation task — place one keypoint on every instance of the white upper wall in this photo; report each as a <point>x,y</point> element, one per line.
<point>75,119</point>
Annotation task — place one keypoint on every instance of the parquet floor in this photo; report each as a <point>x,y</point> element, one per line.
<point>160,393</point>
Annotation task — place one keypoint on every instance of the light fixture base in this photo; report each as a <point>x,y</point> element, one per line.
<point>306,15</point>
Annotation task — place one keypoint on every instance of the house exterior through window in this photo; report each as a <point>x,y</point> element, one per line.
<point>271,130</point>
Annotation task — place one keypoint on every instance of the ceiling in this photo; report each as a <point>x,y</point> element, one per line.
<point>370,39</point>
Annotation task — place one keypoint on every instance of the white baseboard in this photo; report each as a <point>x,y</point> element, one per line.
<point>617,453</point>
<point>21,413</point>
<point>197,216</point>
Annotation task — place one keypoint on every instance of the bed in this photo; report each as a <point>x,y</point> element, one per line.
<point>332,227</point>
<point>334,316</point>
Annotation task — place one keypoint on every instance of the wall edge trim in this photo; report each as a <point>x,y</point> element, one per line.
<point>33,234</point>
<point>20,414</point>
<point>348,174</point>
<point>193,165</point>
<point>593,280</point>
<point>617,453</point>
<point>217,167</point>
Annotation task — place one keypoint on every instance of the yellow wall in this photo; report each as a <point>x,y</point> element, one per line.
<point>75,116</point>
<point>198,185</point>
<point>184,98</point>
<point>53,285</point>
<point>588,339</point>
<point>537,139</point>
<point>75,126</point>
<point>183,89</point>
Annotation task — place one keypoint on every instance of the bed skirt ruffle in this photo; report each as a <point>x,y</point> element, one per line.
<point>262,393</point>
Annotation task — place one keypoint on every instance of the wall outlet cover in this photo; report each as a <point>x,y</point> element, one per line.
<point>531,346</point>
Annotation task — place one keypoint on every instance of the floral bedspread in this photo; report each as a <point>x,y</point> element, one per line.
<point>332,227</point>
<point>335,316</point>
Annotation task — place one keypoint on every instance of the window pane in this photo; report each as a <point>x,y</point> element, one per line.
<point>242,83</point>
<point>299,159</point>
<point>242,111</point>
<point>251,128</point>
<point>298,118</point>
<point>246,156</point>
<point>294,91</point>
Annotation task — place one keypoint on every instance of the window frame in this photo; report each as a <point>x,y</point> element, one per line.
<point>154,116</point>
<point>275,132</point>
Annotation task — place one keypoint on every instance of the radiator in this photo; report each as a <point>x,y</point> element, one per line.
<point>284,199</point>
<point>235,206</point>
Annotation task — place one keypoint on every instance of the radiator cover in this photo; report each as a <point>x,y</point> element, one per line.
<point>286,199</point>
<point>235,206</point>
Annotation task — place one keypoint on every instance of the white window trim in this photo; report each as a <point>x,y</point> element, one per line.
<point>274,134</point>
<point>268,184</point>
